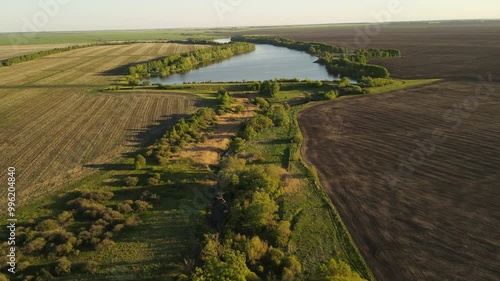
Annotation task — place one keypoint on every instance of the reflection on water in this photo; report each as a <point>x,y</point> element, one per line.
<point>265,63</point>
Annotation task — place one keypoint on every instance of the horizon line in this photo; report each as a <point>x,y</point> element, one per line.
<point>258,26</point>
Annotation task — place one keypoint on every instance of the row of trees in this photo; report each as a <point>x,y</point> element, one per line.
<point>37,55</point>
<point>186,61</point>
<point>338,60</point>
<point>316,49</point>
<point>184,132</point>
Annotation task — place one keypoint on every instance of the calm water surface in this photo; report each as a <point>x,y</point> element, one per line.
<point>265,63</point>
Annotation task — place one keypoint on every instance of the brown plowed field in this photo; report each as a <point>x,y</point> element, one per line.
<point>437,218</point>
<point>55,123</point>
<point>418,207</point>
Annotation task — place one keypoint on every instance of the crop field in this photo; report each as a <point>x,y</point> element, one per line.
<point>10,51</point>
<point>55,122</point>
<point>407,194</point>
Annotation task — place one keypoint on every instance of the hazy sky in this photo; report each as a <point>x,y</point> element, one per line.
<point>55,15</point>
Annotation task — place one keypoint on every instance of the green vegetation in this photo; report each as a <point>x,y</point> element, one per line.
<point>186,61</point>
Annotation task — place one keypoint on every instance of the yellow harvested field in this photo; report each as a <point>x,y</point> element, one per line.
<point>10,51</point>
<point>55,124</point>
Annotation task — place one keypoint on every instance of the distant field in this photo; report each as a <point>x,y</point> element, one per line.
<point>54,121</point>
<point>9,51</point>
<point>444,208</point>
<point>100,36</point>
<point>429,50</point>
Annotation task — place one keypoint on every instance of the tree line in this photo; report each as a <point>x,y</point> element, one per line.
<point>37,55</point>
<point>186,61</point>
<point>337,60</point>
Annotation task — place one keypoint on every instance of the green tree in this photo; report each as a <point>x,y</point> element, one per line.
<point>255,249</point>
<point>336,271</point>
<point>140,162</point>
<point>261,211</point>
<point>344,82</point>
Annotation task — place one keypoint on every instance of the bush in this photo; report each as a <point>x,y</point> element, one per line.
<point>153,181</point>
<point>312,172</point>
<point>140,162</point>
<point>124,208</point>
<point>141,206</point>
<point>239,108</point>
<point>237,144</point>
<point>63,266</point>
<point>344,82</point>
<point>89,266</point>
<point>331,95</point>
<point>47,225</point>
<point>65,217</point>
<point>297,138</point>
<point>131,181</point>
<point>281,233</point>
<point>132,221</point>
<point>98,196</point>
<point>35,246</point>
<point>149,196</point>
<point>262,103</point>
<point>279,116</point>
<point>105,243</point>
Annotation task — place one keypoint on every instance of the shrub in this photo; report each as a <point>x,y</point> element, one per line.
<point>105,243</point>
<point>313,173</point>
<point>344,82</point>
<point>132,221</point>
<point>262,103</point>
<point>65,217</point>
<point>237,144</point>
<point>240,108</point>
<point>124,208</point>
<point>47,225</point>
<point>140,162</point>
<point>149,196</point>
<point>89,266</point>
<point>131,181</point>
<point>152,181</point>
<point>297,138</point>
<point>98,196</point>
<point>141,206</point>
<point>63,266</point>
<point>331,95</point>
<point>118,228</point>
<point>35,246</point>
<point>279,115</point>
<point>22,266</point>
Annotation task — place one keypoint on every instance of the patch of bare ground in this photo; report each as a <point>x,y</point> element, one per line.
<point>218,138</point>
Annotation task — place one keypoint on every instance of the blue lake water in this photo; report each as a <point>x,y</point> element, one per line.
<point>265,63</point>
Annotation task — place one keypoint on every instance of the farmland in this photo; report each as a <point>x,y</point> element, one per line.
<point>10,51</point>
<point>440,208</point>
<point>55,122</point>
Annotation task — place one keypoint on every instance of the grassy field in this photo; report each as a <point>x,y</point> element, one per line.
<point>102,36</point>
<point>56,125</point>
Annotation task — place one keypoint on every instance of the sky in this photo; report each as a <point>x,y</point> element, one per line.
<point>75,15</point>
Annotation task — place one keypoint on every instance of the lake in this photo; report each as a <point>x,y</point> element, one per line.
<point>265,63</point>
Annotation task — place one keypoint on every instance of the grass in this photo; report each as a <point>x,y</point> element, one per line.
<point>400,84</point>
<point>101,36</point>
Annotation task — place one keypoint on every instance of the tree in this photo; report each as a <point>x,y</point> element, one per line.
<point>261,211</point>
<point>89,266</point>
<point>279,115</point>
<point>270,88</point>
<point>291,268</point>
<point>140,162</point>
<point>336,270</point>
<point>281,233</point>
<point>255,249</point>
<point>230,266</point>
